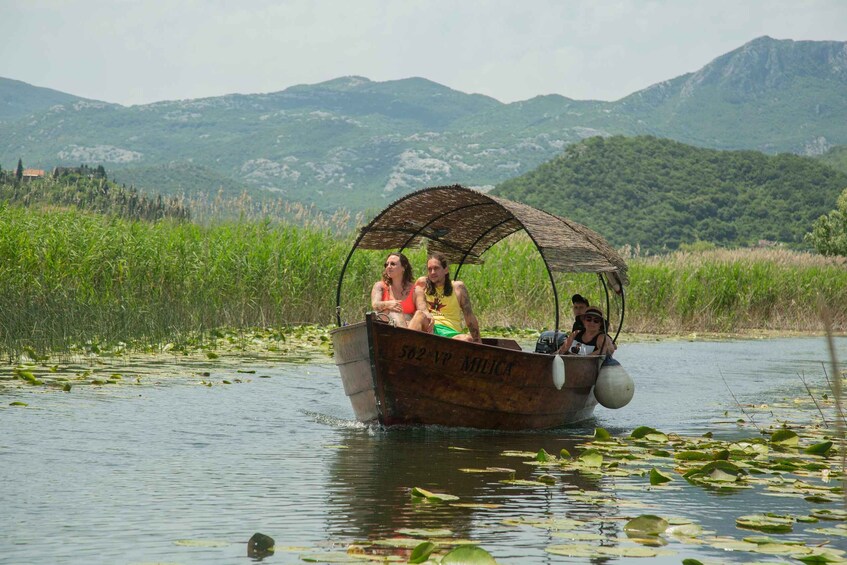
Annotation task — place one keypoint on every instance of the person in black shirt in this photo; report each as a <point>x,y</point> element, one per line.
<point>580,305</point>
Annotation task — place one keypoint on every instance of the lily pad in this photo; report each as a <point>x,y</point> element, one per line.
<point>646,524</point>
<point>658,478</point>
<point>420,493</point>
<point>819,448</point>
<point>601,434</point>
<point>829,514</point>
<point>785,438</point>
<point>770,523</point>
<point>425,533</point>
<point>591,458</point>
<point>468,555</point>
<point>422,552</point>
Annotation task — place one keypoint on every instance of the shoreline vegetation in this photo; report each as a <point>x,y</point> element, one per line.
<point>72,279</point>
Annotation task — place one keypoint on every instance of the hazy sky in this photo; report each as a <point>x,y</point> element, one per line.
<point>141,51</point>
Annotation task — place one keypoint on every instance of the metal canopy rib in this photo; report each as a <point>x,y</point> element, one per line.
<point>463,224</point>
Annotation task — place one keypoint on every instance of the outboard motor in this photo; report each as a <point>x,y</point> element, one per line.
<point>550,341</point>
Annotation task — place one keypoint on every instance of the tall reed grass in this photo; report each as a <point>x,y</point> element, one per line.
<point>68,276</point>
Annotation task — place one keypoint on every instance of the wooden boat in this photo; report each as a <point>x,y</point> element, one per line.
<point>397,376</point>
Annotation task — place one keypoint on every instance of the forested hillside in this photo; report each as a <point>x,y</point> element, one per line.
<point>836,158</point>
<point>658,194</point>
<point>85,188</point>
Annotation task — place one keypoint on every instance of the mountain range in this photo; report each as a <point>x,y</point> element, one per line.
<point>356,143</point>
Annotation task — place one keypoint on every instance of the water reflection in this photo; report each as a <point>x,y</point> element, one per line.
<point>372,473</point>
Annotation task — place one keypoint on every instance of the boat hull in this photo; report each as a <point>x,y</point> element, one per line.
<point>397,376</point>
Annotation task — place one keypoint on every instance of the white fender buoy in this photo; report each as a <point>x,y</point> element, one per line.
<point>614,387</point>
<point>558,372</point>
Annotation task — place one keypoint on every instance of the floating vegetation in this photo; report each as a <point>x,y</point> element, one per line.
<point>123,364</point>
<point>421,494</point>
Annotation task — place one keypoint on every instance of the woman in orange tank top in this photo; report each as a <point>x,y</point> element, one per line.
<point>393,294</point>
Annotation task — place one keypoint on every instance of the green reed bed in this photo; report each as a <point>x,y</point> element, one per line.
<point>736,290</point>
<point>67,277</point>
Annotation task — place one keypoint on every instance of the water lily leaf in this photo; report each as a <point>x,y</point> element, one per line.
<point>488,470</point>
<point>547,479</point>
<point>785,438</point>
<point>830,531</point>
<point>27,376</point>
<point>823,557</point>
<point>524,454</point>
<point>564,454</point>
<point>601,434</point>
<point>658,478</point>
<point>766,523</point>
<point>573,550</point>
<point>201,543</point>
<point>525,482</point>
<point>422,552</point>
<point>781,549</point>
<point>692,456</point>
<point>425,494</point>
<point>543,456</point>
<point>545,523</point>
<point>646,524</point>
<point>425,533</point>
<point>591,458</point>
<point>819,448</point>
<point>684,530</point>
<point>691,562</point>
<point>642,431</point>
<point>18,403</point>
<point>721,476</point>
<point>827,514</point>
<point>706,470</point>
<point>468,555</point>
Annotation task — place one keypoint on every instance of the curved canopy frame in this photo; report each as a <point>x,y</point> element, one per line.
<point>463,224</point>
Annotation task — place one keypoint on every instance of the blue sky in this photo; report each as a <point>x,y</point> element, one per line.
<point>141,51</point>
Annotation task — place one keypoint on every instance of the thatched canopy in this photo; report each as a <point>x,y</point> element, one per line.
<point>463,223</point>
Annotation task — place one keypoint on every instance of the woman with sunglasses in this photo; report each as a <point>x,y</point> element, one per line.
<point>393,295</point>
<point>593,340</point>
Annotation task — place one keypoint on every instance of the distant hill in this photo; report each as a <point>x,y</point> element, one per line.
<point>19,99</point>
<point>769,95</point>
<point>182,178</point>
<point>355,143</point>
<point>657,193</point>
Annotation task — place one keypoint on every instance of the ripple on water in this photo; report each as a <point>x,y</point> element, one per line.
<point>119,474</point>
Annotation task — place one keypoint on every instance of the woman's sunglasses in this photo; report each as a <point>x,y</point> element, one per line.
<point>592,319</point>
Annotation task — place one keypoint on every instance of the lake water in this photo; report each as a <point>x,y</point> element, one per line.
<point>178,472</point>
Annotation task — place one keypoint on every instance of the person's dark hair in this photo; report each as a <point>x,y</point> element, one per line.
<point>448,286</point>
<point>579,299</point>
<point>408,277</point>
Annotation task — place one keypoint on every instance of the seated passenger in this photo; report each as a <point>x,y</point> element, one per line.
<point>580,304</point>
<point>593,340</point>
<point>393,295</point>
<point>441,304</point>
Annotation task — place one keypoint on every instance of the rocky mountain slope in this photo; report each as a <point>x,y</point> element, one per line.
<point>355,143</point>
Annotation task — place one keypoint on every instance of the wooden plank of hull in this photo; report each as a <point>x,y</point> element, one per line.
<point>408,377</point>
<point>353,358</point>
<point>425,379</point>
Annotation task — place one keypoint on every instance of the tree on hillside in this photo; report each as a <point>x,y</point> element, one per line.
<point>19,172</point>
<point>829,232</point>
